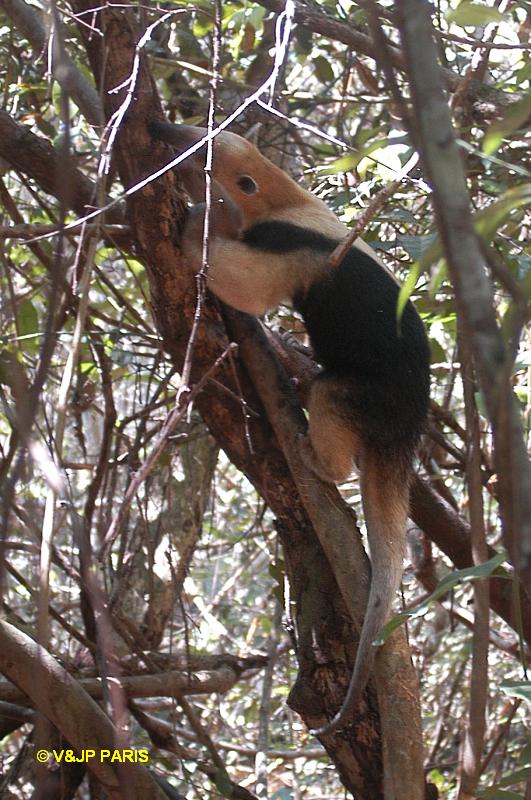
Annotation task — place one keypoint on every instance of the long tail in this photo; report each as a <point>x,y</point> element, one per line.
<point>385,494</point>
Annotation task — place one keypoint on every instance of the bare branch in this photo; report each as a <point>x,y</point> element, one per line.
<point>474,294</point>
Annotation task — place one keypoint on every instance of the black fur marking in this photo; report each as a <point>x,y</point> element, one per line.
<point>351,319</point>
<point>284,237</point>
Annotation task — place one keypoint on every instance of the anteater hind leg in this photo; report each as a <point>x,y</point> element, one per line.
<point>332,445</point>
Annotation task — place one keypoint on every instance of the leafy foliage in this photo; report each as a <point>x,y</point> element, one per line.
<point>197,568</point>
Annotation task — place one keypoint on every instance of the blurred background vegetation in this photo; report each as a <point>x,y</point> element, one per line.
<point>197,569</point>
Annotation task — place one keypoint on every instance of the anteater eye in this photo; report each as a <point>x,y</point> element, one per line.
<point>247,184</point>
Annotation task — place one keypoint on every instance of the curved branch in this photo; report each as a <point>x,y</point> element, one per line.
<point>67,706</point>
<point>335,30</point>
<point>29,23</point>
<point>34,156</point>
<point>466,264</point>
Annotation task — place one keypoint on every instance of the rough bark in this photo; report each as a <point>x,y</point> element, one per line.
<point>35,156</point>
<point>435,138</point>
<point>321,613</point>
<point>65,704</point>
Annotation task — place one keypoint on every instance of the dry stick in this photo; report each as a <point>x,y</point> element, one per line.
<point>500,733</point>
<point>264,714</point>
<point>363,220</point>
<point>109,421</point>
<point>332,521</point>
<point>473,290</point>
<point>472,745</point>
<point>172,420</point>
<point>166,737</point>
<point>201,277</point>
<point>29,230</point>
<point>272,753</point>
<point>443,713</point>
<point>383,54</point>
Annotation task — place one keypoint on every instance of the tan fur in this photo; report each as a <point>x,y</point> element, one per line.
<point>331,448</point>
<point>255,281</point>
<point>234,157</point>
<point>279,197</point>
<point>252,284</point>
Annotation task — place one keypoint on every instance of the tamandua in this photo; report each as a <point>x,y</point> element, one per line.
<point>270,242</point>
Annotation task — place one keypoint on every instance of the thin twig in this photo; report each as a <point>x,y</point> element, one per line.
<point>172,420</point>
<point>363,220</point>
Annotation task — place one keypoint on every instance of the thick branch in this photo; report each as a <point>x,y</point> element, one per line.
<point>64,703</point>
<point>34,156</point>
<point>337,31</point>
<point>163,684</point>
<point>29,22</point>
<point>322,621</point>
<point>332,520</point>
<point>473,289</point>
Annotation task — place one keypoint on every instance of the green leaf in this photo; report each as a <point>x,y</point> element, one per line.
<point>515,117</point>
<point>28,326</point>
<point>520,689</point>
<point>489,221</point>
<point>516,777</point>
<point>223,783</point>
<point>444,586</point>
<point>350,161</point>
<point>437,353</point>
<point>406,290</point>
<point>85,367</point>
<point>415,246</point>
<point>343,164</point>
<point>323,69</point>
<point>474,14</point>
<point>525,755</point>
<point>255,16</point>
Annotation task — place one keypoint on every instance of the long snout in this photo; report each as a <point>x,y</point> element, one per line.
<point>179,136</point>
